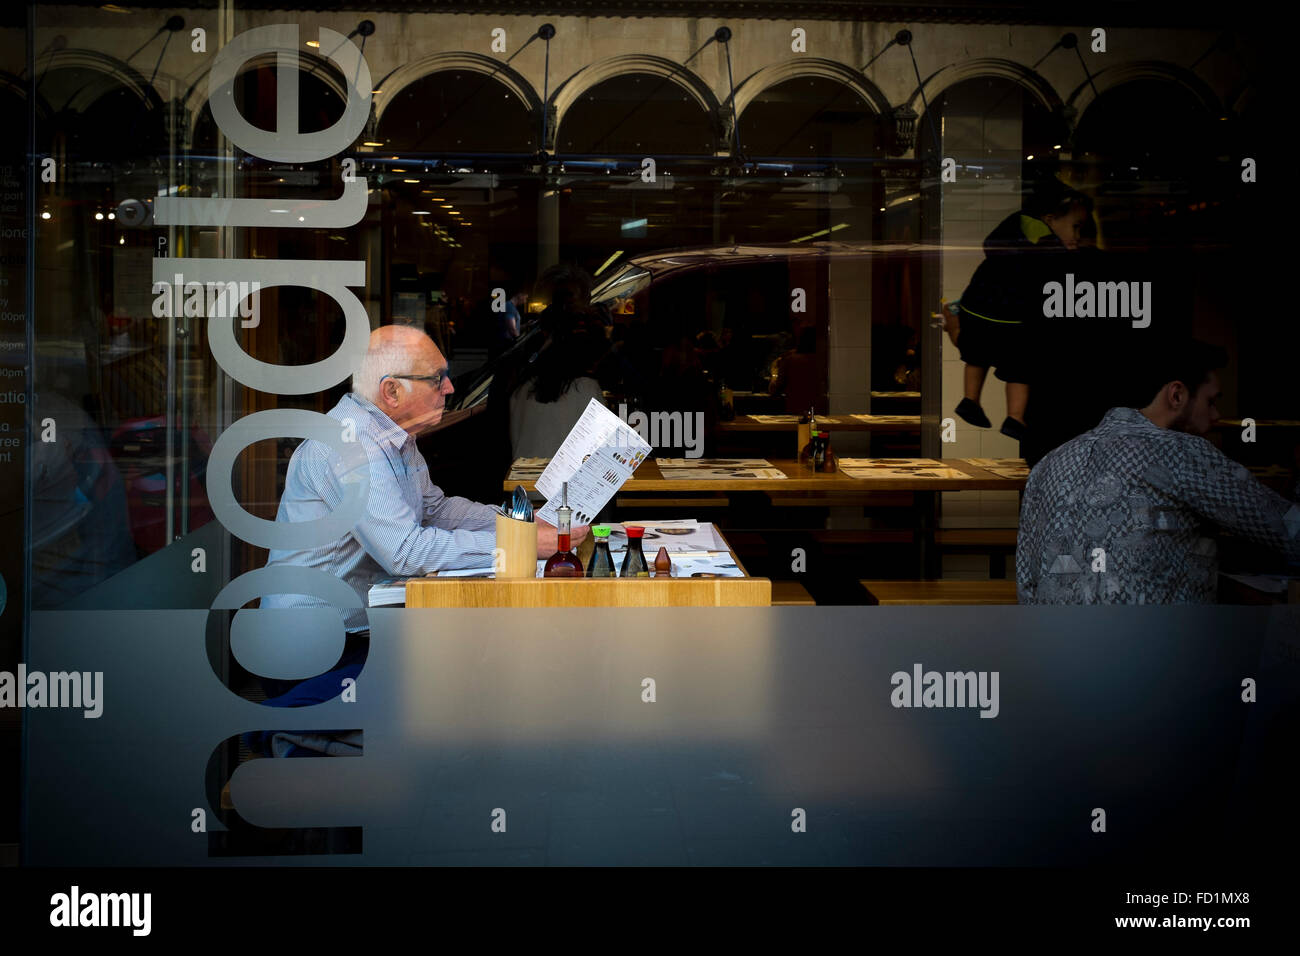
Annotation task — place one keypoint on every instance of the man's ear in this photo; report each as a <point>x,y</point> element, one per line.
<point>388,390</point>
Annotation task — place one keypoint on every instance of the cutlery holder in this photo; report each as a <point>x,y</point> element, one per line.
<point>516,550</point>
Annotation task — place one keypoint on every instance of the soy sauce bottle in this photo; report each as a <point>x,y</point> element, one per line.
<point>601,564</point>
<point>564,562</point>
<point>808,453</point>
<point>634,563</point>
<point>823,457</point>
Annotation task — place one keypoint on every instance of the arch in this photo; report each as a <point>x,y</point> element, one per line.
<point>196,95</point>
<point>1145,123</point>
<point>1083,95</point>
<point>568,92</point>
<point>408,73</point>
<point>116,74</point>
<point>982,68</point>
<point>456,110</point>
<point>16,87</point>
<point>752,86</point>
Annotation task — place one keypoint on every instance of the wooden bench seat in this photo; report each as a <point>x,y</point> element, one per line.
<point>791,594</point>
<point>997,543</point>
<point>942,592</point>
<point>976,537</point>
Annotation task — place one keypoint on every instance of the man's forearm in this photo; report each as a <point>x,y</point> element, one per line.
<point>438,549</point>
<point>454,512</point>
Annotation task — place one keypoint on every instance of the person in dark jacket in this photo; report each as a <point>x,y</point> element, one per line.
<point>1005,294</point>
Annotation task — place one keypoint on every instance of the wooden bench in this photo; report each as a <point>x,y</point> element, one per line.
<point>977,537</point>
<point>791,594</point>
<point>942,592</point>
<point>997,543</point>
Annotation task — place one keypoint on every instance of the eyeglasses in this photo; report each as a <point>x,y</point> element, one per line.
<point>437,378</point>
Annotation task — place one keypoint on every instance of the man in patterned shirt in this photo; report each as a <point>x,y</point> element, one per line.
<point>409,527</point>
<point>1125,513</point>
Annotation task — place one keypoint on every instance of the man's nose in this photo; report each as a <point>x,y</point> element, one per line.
<point>447,387</point>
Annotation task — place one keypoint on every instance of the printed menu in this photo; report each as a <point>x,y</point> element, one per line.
<point>599,454</point>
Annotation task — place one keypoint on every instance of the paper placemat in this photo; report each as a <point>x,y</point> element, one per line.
<point>898,468</point>
<point>702,469</point>
<point>889,419</point>
<point>527,469</point>
<point>1002,467</point>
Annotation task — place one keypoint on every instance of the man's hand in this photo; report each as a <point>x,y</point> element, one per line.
<point>548,541</point>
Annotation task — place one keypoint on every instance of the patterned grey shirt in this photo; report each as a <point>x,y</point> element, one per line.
<point>410,526</point>
<point>1150,499</point>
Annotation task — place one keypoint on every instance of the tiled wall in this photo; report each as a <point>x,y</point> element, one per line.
<point>971,209</point>
<point>850,349</point>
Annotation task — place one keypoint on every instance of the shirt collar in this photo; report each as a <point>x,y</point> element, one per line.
<point>385,429</point>
<point>1129,416</point>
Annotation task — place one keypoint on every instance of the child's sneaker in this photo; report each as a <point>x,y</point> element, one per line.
<point>1013,429</point>
<point>972,413</point>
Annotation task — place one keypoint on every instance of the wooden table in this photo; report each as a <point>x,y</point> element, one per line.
<point>589,592</point>
<point>804,487</point>
<point>593,592</point>
<point>800,478</point>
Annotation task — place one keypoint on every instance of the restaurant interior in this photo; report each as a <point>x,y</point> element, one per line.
<point>763,211</point>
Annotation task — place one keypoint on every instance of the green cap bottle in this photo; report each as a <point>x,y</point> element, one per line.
<point>601,564</point>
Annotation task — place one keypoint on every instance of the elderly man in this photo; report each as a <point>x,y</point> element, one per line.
<point>410,527</point>
<point>1124,514</point>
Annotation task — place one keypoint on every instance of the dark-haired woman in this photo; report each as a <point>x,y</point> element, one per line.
<point>560,385</point>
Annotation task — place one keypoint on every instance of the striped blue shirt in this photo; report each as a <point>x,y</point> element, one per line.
<point>410,527</point>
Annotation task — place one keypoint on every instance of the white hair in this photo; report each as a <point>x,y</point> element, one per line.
<point>391,356</point>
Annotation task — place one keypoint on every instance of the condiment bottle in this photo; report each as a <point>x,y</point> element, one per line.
<point>563,563</point>
<point>827,456</point>
<point>601,564</point>
<point>663,564</point>
<point>634,565</point>
<point>726,402</point>
<point>806,454</point>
